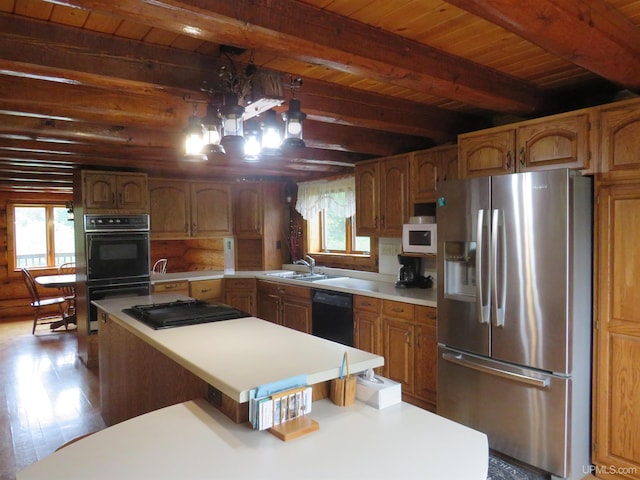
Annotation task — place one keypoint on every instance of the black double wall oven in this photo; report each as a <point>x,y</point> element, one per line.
<point>117,251</point>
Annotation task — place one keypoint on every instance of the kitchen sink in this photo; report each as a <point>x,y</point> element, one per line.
<point>306,277</point>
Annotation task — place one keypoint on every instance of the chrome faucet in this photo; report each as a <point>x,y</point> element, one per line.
<point>309,263</point>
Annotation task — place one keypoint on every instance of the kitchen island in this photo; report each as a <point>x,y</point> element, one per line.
<point>196,441</point>
<point>142,369</point>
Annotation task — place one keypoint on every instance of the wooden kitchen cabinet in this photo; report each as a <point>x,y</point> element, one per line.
<point>367,324</point>
<point>557,141</point>
<point>367,197</point>
<point>287,305</point>
<point>620,137</point>
<point>486,153</point>
<point>134,376</point>
<point>180,286</point>
<point>616,401</point>
<point>182,209</point>
<point>211,209</point>
<point>206,290</point>
<point>410,350</point>
<point>114,192</point>
<point>249,212</point>
<point>241,294</point>
<point>382,196</point>
<point>259,225</point>
<point>426,355</point>
<point>394,195</point>
<point>427,168</point>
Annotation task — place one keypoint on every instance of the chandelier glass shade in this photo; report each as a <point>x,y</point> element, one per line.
<point>271,136</point>
<point>194,140</point>
<point>212,124</point>
<point>232,124</point>
<point>293,119</point>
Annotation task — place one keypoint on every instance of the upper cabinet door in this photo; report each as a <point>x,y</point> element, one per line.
<point>211,210</point>
<point>394,195</point>
<point>170,208</point>
<point>99,190</point>
<point>486,153</point>
<point>248,209</point>
<point>620,137</point>
<point>367,200</point>
<point>132,192</point>
<point>427,168</point>
<point>558,142</point>
<point>105,192</point>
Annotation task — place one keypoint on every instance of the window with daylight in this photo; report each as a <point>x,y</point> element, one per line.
<point>42,236</point>
<point>329,207</point>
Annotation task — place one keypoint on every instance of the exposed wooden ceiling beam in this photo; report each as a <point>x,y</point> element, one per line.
<point>303,159</point>
<point>589,33</point>
<point>103,61</point>
<point>312,35</point>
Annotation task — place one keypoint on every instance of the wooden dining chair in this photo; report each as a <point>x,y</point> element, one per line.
<point>39,304</point>
<point>160,266</point>
<point>68,292</point>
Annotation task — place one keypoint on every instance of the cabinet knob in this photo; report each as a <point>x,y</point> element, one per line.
<point>522,156</point>
<point>103,317</point>
<point>508,162</point>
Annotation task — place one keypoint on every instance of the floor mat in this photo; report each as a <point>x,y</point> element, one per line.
<point>500,469</point>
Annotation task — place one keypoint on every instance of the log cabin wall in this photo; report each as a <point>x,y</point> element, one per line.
<point>189,255</point>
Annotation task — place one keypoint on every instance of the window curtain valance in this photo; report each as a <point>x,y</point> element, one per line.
<point>317,195</point>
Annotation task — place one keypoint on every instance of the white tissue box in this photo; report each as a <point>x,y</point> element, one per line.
<point>379,392</point>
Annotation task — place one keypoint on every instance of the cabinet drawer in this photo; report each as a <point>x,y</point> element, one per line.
<point>425,315</point>
<point>366,304</point>
<point>398,309</point>
<point>181,286</point>
<point>276,288</point>
<point>239,283</point>
<point>206,289</point>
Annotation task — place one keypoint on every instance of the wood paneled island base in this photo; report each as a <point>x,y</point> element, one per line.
<point>136,378</point>
<point>142,370</point>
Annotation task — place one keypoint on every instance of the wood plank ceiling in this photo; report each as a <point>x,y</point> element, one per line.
<point>111,83</point>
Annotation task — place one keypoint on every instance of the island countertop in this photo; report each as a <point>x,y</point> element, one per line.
<point>194,440</point>
<point>238,355</point>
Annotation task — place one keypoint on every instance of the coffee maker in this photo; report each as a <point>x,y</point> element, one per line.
<point>409,272</point>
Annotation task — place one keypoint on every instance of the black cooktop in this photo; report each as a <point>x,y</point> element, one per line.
<point>183,312</point>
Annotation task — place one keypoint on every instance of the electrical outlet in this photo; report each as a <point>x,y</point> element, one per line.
<point>389,249</point>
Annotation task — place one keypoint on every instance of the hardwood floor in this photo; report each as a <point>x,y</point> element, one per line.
<point>47,396</point>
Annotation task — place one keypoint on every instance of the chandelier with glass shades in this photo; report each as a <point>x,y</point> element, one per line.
<point>223,131</point>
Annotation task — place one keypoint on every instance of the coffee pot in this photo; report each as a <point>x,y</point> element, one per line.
<point>409,271</point>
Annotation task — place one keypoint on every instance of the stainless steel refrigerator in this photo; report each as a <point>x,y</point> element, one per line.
<point>514,314</point>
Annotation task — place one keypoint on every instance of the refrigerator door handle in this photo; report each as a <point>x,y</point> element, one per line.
<point>484,303</point>
<point>518,377</point>
<point>498,294</point>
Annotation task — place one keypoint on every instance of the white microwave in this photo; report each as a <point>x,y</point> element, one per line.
<point>419,238</point>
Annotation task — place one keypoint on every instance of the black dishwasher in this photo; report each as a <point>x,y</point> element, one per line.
<point>332,316</point>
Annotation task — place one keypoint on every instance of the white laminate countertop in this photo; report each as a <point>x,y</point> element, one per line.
<point>345,283</point>
<point>193,440</point>
<point>238,355</point>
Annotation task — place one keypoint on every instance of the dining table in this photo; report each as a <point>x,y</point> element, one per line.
<point>59,280</point>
